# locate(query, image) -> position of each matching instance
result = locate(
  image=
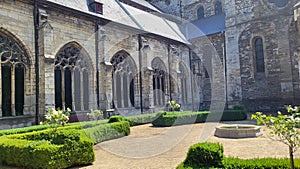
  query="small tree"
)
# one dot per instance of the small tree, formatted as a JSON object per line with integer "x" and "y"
{"x": 56, "y": 117}
{"x": 283, "y": 128}
{"x": 174, "y": 106}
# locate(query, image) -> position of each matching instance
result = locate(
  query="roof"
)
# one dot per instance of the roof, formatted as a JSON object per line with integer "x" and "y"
{"x": 205, "y": 26}
{"x": 124, "y": 14}
{"x": 145, "y": 4}
{"x": 297, "y": 5}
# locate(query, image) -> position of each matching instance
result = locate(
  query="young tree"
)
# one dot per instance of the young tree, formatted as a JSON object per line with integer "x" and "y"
{"x": 283, "y": 128}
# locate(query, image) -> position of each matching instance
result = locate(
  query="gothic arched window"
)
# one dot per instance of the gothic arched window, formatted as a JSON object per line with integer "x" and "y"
{"x": 71, "y": 79}
{"x": 159, "y": 81}
{"x": 14, "y": 63}
{"x": 200, "y": 12}
{"x": 124, "y": 71}
{"x": 183, "y": 80}
{"x": 259, "y": 54}
{"x": 218, "y": 8}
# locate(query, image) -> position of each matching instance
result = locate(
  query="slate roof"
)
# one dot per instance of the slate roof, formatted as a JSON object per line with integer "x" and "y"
{"x": 206, "y": 26}
{"x": 124, "y": 14}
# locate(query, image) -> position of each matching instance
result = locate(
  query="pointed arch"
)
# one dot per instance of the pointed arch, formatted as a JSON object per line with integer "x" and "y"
{"x": 159, "y": 81}
{"x": 14, "y": 61}
{"x": 72, "y": 72}
{"x": 124, "y": 76}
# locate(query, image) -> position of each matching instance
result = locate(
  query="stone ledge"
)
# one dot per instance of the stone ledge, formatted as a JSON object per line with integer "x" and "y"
{"x": 15, "y": 117}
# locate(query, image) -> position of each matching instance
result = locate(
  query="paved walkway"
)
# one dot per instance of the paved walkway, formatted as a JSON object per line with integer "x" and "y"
{"x": 149, "y": 147}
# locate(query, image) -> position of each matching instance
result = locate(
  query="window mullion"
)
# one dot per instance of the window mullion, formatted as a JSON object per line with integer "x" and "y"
{"x": 81, "y": 90}
{"x": 73, "y": 89}
{"x": 13, "y": 90}
{"x": 63, "y": 89}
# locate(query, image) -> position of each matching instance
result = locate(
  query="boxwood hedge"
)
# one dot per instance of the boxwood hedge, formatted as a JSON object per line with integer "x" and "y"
{"x": 45, "y": 149}
{"x": 210, "y": 155}
{"x": 166, "y": 119}
{"x": 141, "y": 119}
{"x": 108, "y": 131}
{"x": 67, "y": 146}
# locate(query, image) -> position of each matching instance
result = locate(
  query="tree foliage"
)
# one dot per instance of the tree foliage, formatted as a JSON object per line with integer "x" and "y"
{"x": 284, "y": 127}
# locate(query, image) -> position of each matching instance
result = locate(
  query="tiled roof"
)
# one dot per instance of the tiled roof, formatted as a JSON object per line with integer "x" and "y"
{"x": 127, "y": 15}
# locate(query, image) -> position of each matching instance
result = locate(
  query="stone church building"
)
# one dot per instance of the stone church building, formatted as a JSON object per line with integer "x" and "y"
{"x": 133, "y": 56}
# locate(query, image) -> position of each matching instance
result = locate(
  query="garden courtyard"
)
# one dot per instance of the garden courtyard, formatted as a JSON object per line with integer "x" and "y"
{"x": 169, "y": 157}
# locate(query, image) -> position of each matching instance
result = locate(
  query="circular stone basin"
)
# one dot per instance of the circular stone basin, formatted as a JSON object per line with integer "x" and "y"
{"x": 237, "y": 131}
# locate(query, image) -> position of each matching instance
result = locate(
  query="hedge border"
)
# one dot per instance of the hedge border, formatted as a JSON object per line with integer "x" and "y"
{"x": 167, "y": 119}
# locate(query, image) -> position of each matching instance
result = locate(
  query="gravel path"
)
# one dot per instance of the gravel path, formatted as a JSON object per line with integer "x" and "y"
{"x": 147, "y": 147}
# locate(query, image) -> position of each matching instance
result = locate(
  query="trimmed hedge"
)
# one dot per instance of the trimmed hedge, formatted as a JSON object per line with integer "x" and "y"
{"x": 77, "y": 125}
{"x": 45, "y": 149}
{"x": 263, "y": 163}
{"x": 41, "y": 147}
{"x": 167, "y": 119}
{"x": 204, "y": 155}
{"x": 210, "y": 155}
{"x": 113, "y": 119}
{"x": 108, "y": 131}
{"x": 141, "y": 119}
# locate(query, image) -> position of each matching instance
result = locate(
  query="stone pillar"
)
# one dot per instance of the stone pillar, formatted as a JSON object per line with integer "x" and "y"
{"x": 49, "y": 85}
{"x": 234, "y": 88}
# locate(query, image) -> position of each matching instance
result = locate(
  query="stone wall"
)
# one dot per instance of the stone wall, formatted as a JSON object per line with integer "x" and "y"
{"x": 245, "y": 20}
{"x": 61, "y": 28}
{"x": 17, "y": 22}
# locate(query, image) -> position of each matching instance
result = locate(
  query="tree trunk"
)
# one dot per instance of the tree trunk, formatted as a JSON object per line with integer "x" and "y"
{"x": 291, "y": 157}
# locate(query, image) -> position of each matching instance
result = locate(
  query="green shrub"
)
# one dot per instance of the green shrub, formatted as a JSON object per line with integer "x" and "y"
{"x": 23, "y": 130}
{"x": 166, "y": 119}
{"x": 108, "y": 131}
{"x": 78, "y": 125}
{"x": 142, "y": 119}
{"x": 114, "y": 119}
{"x": 264, "y": 163}
{"x": 204, "y": 155}
{"x": 62, "y": 149}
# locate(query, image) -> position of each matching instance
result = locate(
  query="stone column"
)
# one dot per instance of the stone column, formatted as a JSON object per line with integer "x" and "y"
{"x": 234, "y": 88}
